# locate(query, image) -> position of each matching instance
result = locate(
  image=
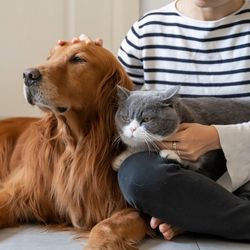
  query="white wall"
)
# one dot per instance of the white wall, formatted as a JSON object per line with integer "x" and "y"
{"x": 30, "y": 28}
{"x": 147, "y": 5}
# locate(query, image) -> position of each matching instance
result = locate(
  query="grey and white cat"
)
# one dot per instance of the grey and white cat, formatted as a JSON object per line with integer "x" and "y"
{"x": 144, "y": 117}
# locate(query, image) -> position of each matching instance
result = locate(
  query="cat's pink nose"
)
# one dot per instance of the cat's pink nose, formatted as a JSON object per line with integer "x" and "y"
{"x": 132, "y": 129}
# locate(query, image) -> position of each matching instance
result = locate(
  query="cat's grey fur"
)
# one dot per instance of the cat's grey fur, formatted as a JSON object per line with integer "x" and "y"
{"x": 166, "y": 111}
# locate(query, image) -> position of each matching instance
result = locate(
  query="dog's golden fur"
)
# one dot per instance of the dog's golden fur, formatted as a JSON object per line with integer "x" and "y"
{"x": 57, "y": 169}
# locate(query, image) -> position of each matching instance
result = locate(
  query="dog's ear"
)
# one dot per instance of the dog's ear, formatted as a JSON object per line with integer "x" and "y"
{"x": 122, "y": 93}
{"x": 122, "y": 78}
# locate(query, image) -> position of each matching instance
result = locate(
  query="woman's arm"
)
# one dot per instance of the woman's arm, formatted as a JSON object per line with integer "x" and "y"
{"x": 193, "y": 140}
{"x": 235, "y": 143}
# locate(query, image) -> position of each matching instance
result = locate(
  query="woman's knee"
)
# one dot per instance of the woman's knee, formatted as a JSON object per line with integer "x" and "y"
{"x": 143, "y": 175}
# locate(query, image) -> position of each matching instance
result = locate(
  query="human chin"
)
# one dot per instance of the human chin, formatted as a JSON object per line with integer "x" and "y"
{"x": 210, "y": 3}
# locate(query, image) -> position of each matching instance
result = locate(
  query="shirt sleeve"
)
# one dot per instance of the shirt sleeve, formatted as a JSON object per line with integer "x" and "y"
{"x": 235, "y": 143}
{"x": 129, "y": 56}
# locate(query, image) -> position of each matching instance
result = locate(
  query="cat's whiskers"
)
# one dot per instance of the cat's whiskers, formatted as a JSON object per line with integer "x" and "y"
{"x": 150, "y": 139}
{"x": 116, "y": 140}
{"x": 148, "y": 144}
{"x": 154, "y": 139}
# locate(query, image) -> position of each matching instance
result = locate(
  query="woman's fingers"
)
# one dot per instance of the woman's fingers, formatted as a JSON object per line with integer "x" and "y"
{"x": 184, "y": 126}
{"x": 174, "y": 146}
{"x": 81, "y": 38}
{"x": 75, "y": 40}
{"x": 99, "y": 41}
{"x": 61, "y": 42}
{"x": 84, "y": 38}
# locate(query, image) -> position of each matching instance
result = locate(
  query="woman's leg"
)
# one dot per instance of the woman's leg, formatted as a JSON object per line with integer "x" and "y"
{"x": 183, "y": 198}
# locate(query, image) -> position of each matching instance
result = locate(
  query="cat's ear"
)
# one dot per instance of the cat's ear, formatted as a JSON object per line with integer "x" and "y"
{"x": 170, "y": 96}
{"x": 173, "y": 92}
{"x": 122, "y": 93}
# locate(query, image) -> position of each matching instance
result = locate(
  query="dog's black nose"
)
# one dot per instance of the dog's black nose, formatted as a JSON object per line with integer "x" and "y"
{"x": 31, "y": 76}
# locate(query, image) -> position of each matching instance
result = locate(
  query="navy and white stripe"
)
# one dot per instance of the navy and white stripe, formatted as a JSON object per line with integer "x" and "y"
{"x": 165, "y": 48}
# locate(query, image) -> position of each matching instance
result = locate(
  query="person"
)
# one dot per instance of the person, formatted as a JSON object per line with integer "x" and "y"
{"x": 203, "y": 46}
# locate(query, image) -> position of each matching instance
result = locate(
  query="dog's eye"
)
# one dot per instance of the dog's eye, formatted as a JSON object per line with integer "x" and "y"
{"x": 77, "y": 59}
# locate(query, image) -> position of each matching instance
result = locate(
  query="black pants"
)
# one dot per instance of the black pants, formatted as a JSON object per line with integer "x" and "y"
{"x": 182, "y": 197}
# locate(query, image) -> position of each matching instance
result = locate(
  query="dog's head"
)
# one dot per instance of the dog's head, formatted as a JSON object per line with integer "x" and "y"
{"x": 74, "y": 77}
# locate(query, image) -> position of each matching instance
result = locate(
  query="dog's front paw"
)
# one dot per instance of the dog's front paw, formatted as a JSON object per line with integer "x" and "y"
{"x": 170, "y": 154}
{"x": 111, "y": 246}
{"x": 104, "y": 237}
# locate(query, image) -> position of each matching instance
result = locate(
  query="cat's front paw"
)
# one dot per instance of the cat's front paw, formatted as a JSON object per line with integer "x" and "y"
{"x": 120, "y": 159}
{"x": 117, "y": 163}
{"x": 170, "y": 154}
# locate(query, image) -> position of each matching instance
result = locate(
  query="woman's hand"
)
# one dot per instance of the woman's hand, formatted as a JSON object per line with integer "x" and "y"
{"x": 192, "y": 140}
{"x": 82, "y": 37}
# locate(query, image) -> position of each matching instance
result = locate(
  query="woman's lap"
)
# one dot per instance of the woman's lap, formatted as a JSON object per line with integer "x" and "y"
{"x": 183, "y": 198}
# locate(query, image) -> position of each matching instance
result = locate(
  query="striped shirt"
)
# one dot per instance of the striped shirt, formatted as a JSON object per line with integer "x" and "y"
{"x": 206, "y": 58}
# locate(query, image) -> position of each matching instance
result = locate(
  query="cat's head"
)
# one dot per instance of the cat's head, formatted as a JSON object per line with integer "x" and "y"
{"x": 146, "y": 116}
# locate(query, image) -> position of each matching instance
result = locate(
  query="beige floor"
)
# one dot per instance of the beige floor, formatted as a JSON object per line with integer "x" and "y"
{"x": 35, "y": 238}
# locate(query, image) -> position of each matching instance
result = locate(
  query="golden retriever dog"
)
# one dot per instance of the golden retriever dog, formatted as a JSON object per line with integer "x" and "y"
{"x": 57, "y": 169}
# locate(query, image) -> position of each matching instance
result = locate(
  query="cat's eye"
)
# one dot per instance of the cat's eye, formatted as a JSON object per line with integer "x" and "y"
{"x": 146, "y": 119}
{"x": 125, "y": 118}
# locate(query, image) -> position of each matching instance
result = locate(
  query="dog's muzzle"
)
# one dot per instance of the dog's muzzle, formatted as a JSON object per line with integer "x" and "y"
{"x": 31, "y": 76}
{"x": 34, "y": 93}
